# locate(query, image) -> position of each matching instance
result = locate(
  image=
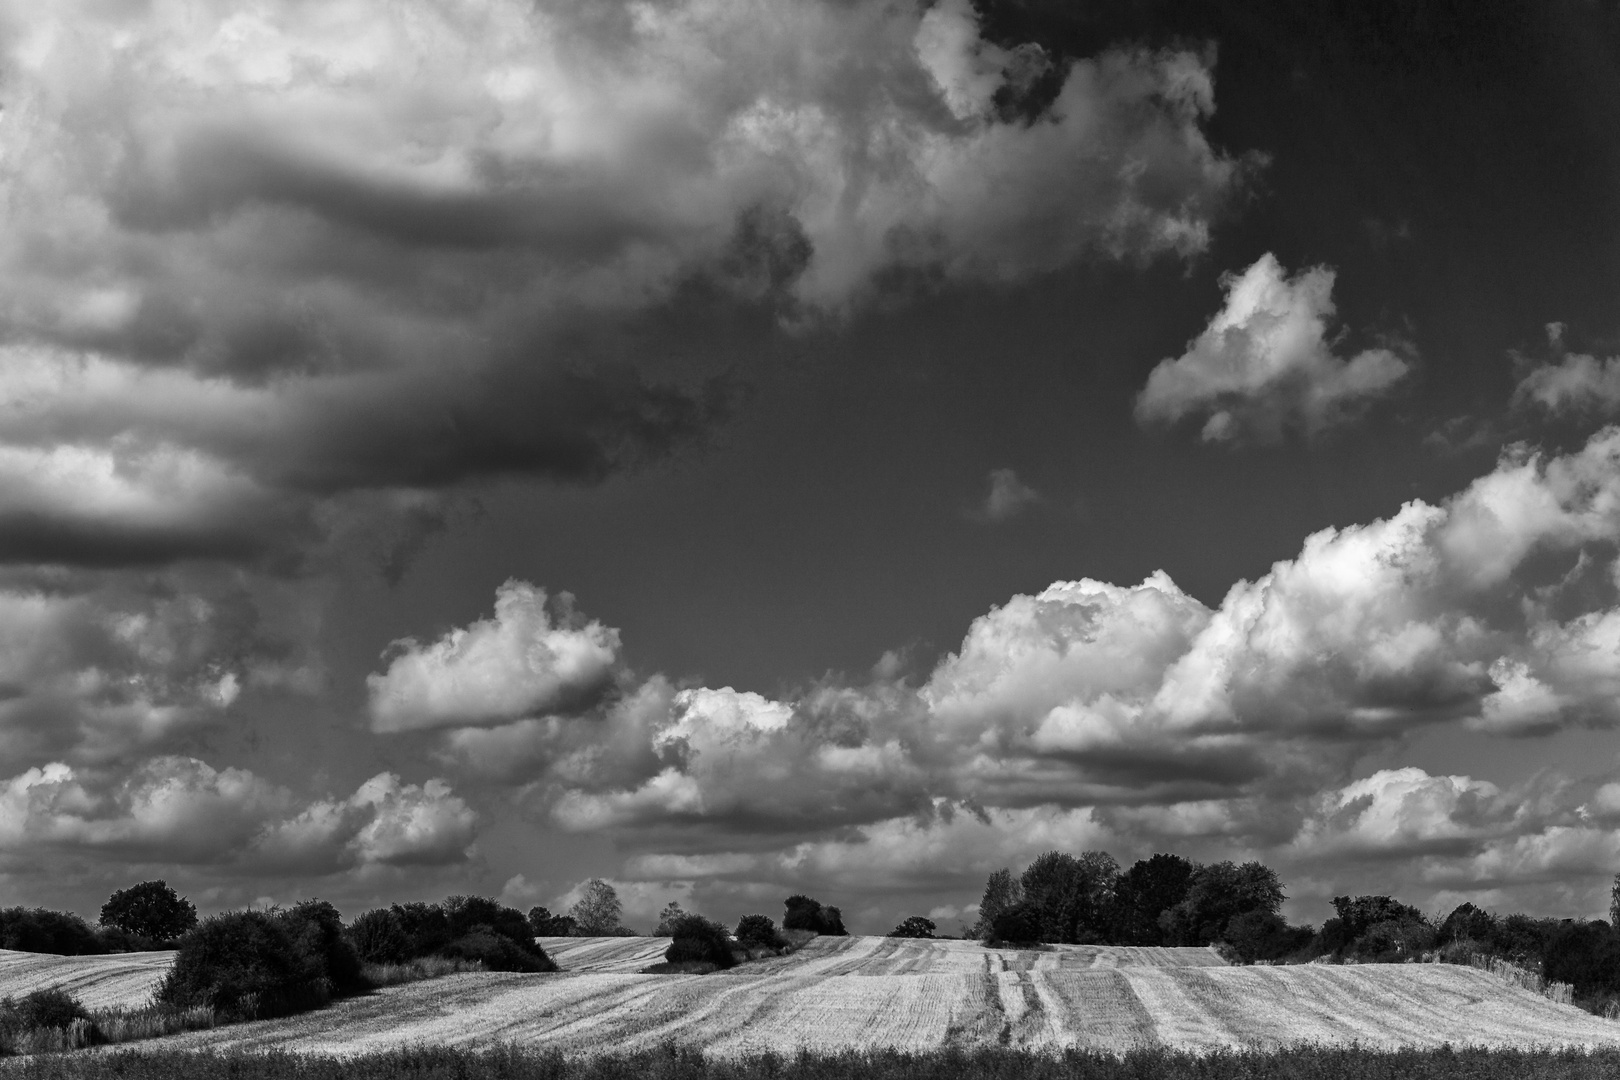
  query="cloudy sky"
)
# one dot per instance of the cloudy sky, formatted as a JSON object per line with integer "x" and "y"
{"x": 845, "y": 446}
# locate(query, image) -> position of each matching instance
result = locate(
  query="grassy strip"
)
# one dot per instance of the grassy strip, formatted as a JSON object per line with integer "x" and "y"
{"x": 440, "y": 1063}
{"x": 423, "y": 967}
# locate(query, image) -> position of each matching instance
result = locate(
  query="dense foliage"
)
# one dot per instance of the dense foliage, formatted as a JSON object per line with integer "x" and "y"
{"x": 150, "y": 910}
{"x": 41, "y": 930}
{"x": 511, "y": 1063}
{"x": 699, "y": 941}
{"x": 914, "y": 926}
{"x": 803, "y": 913}
{"x": 462, "y": 927}
{"x": 758, "y": 932}
{"x": 247, "y": 964}
{"x": 542, "y": 923}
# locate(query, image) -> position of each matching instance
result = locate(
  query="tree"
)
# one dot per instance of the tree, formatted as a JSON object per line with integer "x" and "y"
{"x": 150, "y": 910}
{"x": 1017, "y": 925}
{"x": 914, "y": 927}
{"x": 542, "y": 923}
{"x": 666, "y": 919}
{"x": 757, "y": 931}
{"x": 1001, "y": 892}
{"x": 598, "y": 909}
{"x": 803, "y": 913}
{"x": 1071, "y": 896}
{"x": 699, "y": 940}
{"x": 1144, "y": 893}
{"x": 1614, "y": 902}
{"x": 1218, "y": 893}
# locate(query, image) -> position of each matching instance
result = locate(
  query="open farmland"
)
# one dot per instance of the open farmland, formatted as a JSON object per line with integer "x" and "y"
{"x": 124, "y": 980}
{"x": 869, "y": 993}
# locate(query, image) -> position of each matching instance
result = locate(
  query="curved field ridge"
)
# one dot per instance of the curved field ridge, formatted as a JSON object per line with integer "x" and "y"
{"x": 624, "y": 954}
{"x": 123, "y": 980}
{"x": 867, "y": 993}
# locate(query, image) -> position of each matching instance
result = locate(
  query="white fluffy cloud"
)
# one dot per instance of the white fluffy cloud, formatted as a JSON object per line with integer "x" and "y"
{"x": 255, "y": 258}
{"x": 180, "y": 810}
{"x": 1265, "y": 363}
{"x": 1577, "y": 383}
{"x": 532, "y": 658}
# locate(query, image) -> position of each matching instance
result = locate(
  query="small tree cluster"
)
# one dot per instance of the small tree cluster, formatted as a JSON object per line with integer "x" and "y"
{"x": 151, "y": 911}
{"x": 803, "y": 913}
{"x": 758, "y": 932}
{"x": 915, "y": 926}
{"x": 542, "y": 923}
{"x": 699, "y": 941}
{"x": 462, "y": 927}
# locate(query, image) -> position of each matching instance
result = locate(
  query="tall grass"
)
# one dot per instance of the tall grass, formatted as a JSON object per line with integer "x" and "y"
{"x": 423, "y": 967}
{"x": 1561, "y": 992}
{"x": 442, "y": 1063}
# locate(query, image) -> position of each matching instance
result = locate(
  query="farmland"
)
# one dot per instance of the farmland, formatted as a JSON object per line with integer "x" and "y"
{"x": 869, "y": 993}
{"x": 123, "y": 980}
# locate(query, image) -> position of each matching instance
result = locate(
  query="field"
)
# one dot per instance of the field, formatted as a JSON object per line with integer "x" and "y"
{"x": 125, "y": 980}
{"x": 868, "y": 993}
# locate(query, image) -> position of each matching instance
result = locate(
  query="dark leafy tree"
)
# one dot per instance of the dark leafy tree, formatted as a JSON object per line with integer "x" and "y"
{"x": 1001, "y": 892}
{"x": 1072, "y": 895}
{"x": 1144, "y": 893}
{"x": 803, "y": 913}
{"x": 316, "y": 929}
{"x": 1017, "y": 925}
{"x": 699, "y": 940}
{"x": 758, "y": 932}
{"x": 150, "y": 910}
{"x": 1586, "y": 954}
{"x": 378, "y": 937}
{"x": 41, "y": 930}
{"x": 1467, "y": 923}
{"x": 51, "y": 1007}
{"x": 914, "y": 927}
{"x": 1218, "y": 893}
{"x": 1614, "y": 902}
{"x": 543, "y": 923}
{"x": 1359, "y": 914}
{"x": 667, "y": 918}
{"x": 425, "y": 926}
{"x": 243, "y": 964}
{"x": 1265, "y": 935}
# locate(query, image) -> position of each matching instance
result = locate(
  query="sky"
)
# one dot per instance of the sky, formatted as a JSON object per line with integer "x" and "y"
{"x": 830, "y": 446}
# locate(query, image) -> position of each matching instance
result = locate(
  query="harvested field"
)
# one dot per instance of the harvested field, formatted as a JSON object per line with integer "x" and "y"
{"x": 123, "y": 980}
{"x": 625, "y": 954}
{"x": 869, "y": 993}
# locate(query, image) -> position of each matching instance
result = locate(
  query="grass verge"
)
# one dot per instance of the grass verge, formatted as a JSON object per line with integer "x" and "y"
{"x": 439, "y": 1063}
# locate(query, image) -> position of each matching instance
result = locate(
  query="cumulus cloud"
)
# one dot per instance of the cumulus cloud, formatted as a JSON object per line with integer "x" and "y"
{"x": 1265, "y": 363}
{"x": 257, "y": 259}
{"x": 96, "y": 670}
{"x": 1148, "y": 713}
{"x": 535, "y": 656}
{"x": 173, "y": 809}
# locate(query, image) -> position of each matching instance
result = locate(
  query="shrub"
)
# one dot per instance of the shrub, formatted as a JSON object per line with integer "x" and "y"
{"x": 758, "y": 932}
{"x": 150, "y": 910}
{"x": 1586, "y": 954}
{"x": 914, "y": 927}
{"x": 425, "y": 926}
{"x": 497, "y": 952}
{"x": 41, "y": 930}
{"x": 699, "y": 940}
{"x": 52, "y": 1007}
{"x": 243, "y": 964}
{"x": 1264, "y": 935}
{"x": 316, "y": 929}
{"x": 803, "y": 913}
{"x": 1393, "y": 941}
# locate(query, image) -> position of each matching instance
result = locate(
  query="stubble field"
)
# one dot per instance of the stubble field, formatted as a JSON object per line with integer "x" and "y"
{"x": 868, "y": 993}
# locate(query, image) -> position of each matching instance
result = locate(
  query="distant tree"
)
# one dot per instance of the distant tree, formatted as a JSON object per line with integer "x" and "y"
{"x": 1614, "y": 902}
{"x": 542, "y": 923}
{"x": 1072, "y": 896}
{"x": 1468, "y": 923}
{"x": 1265, "y": 935}
{"x": 41, "y": 930}
{"x": 1359, "y": 914}
{"x": 150, "y": 910}
{"x": 378, "y": 938}
{"x": 1017, "y": 925}
{"x": 803, "y": 913}
{"x": 757, "y": 931}
{"x": 1218, "y": 893}
{"x": 598, "y": 909}
{"x": 699, "y": 940}
{"x": 1586, "y": 954}
{"x": 1001, "y": 892}
{"x": 666, "y": 919}
{"x": 1144, "y": 893}
{"x": 914, "y": 927}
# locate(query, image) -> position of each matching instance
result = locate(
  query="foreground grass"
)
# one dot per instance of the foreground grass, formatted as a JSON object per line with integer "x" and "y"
{"x": 439, "y": 1063}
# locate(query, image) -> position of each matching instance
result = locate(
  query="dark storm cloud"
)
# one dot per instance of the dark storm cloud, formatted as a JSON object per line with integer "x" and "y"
{"x": 296, "y": 253}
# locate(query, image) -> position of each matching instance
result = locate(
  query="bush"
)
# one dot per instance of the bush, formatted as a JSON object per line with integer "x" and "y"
{"x": 699, "y": 940}
{"x": 914, "y": 927}
{"x": 1393, "y": 941}
{"x": 803, "y": 913}
{"x": 497, "y": 952}
{"x": 1586, "y": 954}
{"x": 52, "y": 1007}
{"x": 316, "y": 929}
{"x": 243, "y": 964}
{"x": 40, "y": 930}
{"x": 543, "y": 923}
{"x": 1264, "y": 935}
{"x": 149, "y": 910}
{"x": 757, "y": 932}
